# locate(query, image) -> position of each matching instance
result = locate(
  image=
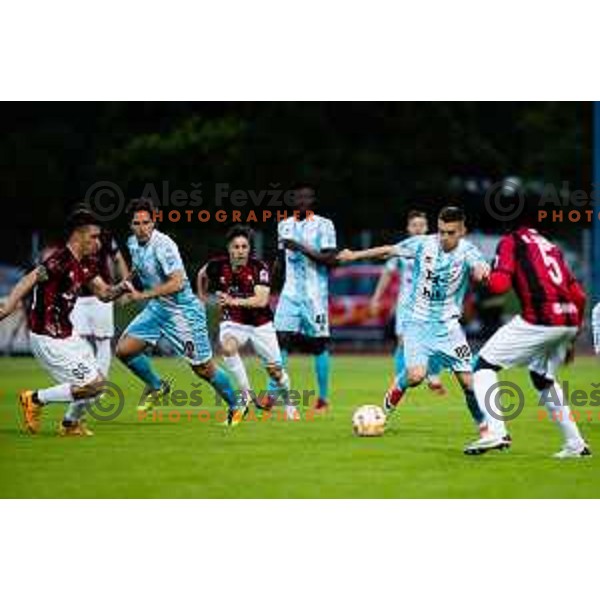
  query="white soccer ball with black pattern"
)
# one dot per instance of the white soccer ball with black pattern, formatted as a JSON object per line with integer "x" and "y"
{"x": 368, "y": 421}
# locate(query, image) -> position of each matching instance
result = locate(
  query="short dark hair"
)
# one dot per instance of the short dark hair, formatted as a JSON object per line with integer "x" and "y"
{"x": 416, "y": 214}
{"x": 240, "y": 230}
{"x": 81, "y": 216}
{"x": 451, "y": 214}
{"x": 141, "y": 204}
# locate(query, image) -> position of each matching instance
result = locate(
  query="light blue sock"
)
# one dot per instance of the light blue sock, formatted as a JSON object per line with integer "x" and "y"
{"x": 284, "y": 358}
{"x": 222, "y": 385}
{"x": 402, "y": 380}
{"x": 322, "y": 369}
{"x": 142, "y": 367}
{"x": 434, "y": 367}
{"x": 399, "y": 359}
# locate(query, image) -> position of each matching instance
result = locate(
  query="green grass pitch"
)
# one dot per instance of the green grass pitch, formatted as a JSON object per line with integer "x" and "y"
{"x": 419, "y": 457}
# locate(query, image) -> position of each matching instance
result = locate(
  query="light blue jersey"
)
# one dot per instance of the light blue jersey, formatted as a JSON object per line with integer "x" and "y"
{"x": 154, "y": 262}
{"x": 435, "y": 302}
{"x": 440, "y": 279}
{"x": 304, "y": 302}
{"x": 180, "y": 317}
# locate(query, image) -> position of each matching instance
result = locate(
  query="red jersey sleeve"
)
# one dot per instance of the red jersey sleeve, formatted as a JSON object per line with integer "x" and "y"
{"x": 54, "y": 265}
{"x": 504, "y": 266}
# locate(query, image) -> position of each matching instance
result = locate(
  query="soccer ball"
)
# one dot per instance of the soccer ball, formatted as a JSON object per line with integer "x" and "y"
{"x": 368, "y": 421}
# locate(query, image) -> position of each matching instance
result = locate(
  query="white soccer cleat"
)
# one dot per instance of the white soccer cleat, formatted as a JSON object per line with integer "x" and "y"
{"x": 487, "y": 443}
{"x": 292, "y": 413}
{"x": 574, "y": 452}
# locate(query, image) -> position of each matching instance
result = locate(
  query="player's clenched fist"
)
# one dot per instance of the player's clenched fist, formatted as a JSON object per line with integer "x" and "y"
{"x": 481, "y": 271}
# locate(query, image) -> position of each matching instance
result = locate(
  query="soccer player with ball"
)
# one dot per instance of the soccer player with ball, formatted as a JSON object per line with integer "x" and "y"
{"x": 444, "y": 265}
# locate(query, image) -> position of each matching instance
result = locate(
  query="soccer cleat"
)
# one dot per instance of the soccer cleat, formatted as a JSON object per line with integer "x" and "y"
{"x": 292, "y": 413}
{"x": 321, "y": 405}
{"x": 266, "y": 402}
{"x": 30, "y": 410}
{"x": 570, "y": 452}
{"x": 152, "y": 399}
{"x": 235, "y": 416}
{"x": 486, "y": 443}
{"x": 75, "y": 429}
{"x": 392, "y": 399}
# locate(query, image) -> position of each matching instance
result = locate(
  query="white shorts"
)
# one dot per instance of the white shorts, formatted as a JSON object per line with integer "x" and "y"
{"x": 67, "y": 360}
{"x": 263, "y": 339}
{"x": 93, "y": 318}
{"x": 541, "y": 348}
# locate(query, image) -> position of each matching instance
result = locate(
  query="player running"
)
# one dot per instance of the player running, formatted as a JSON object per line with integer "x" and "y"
{"x": 172, "y": 311}
{"x": 69, "y": 360}
{"x": 444, "y": 263}
{"x": 416, "y": 224}
{"x": 242, "y": 284}
{"x": 552, "y": 307}
{"x": 302, "y": 314}
{"x": 93, "y": 319}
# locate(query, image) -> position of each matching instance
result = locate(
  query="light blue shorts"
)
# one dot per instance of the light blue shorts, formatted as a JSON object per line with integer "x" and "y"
{"x": 301, "y": 316}
{"x": 183, "y": 326}
{"x": 447, "y": 347}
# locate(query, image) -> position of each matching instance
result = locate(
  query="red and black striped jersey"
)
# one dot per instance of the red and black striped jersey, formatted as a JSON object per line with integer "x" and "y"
{"x": 62, "y": 280}
{"x": 240, "y": 283}
{"x": 546, "y": 287}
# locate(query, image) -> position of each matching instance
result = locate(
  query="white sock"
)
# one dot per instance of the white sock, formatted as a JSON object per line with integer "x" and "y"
{"x": 103, "y": 354}
{"x": 483, "y": 380}
{"x": 236, "y": 366}
{"x": 560, "y": 413}
{"x": 75, "y": 410}
{"x": 57, "y": 393}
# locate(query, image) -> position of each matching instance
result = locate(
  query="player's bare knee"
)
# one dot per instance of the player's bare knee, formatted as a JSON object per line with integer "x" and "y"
{"x": 275, "y": 371}
{"x": 205, "y": 370}
{"x": 229, "y": 346}
{"x": 416, "y": 375}
{"x": 89, "y": 390}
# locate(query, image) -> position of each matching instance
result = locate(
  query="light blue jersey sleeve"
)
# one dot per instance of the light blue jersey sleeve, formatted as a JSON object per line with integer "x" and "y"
{"x": 168, "y": 257}
{"x": 327, "y": 237}
{"x": 408, "y": 248}
{"x": 473, "y": 255}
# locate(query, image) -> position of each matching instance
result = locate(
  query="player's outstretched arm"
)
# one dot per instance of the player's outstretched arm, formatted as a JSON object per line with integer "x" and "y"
{"x": 260, "y": 299}
{"x": 108, "y": 293}
{"x": 379, "y": 252}
{"x": 22, "y": 289}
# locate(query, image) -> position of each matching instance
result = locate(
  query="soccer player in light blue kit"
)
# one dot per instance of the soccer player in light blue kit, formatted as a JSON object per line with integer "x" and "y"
{"x": 444, "y": 265}
{"x": 302, "y": 315}
{"x": 173, "y": 311}
{"x": 416, "y": 224}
